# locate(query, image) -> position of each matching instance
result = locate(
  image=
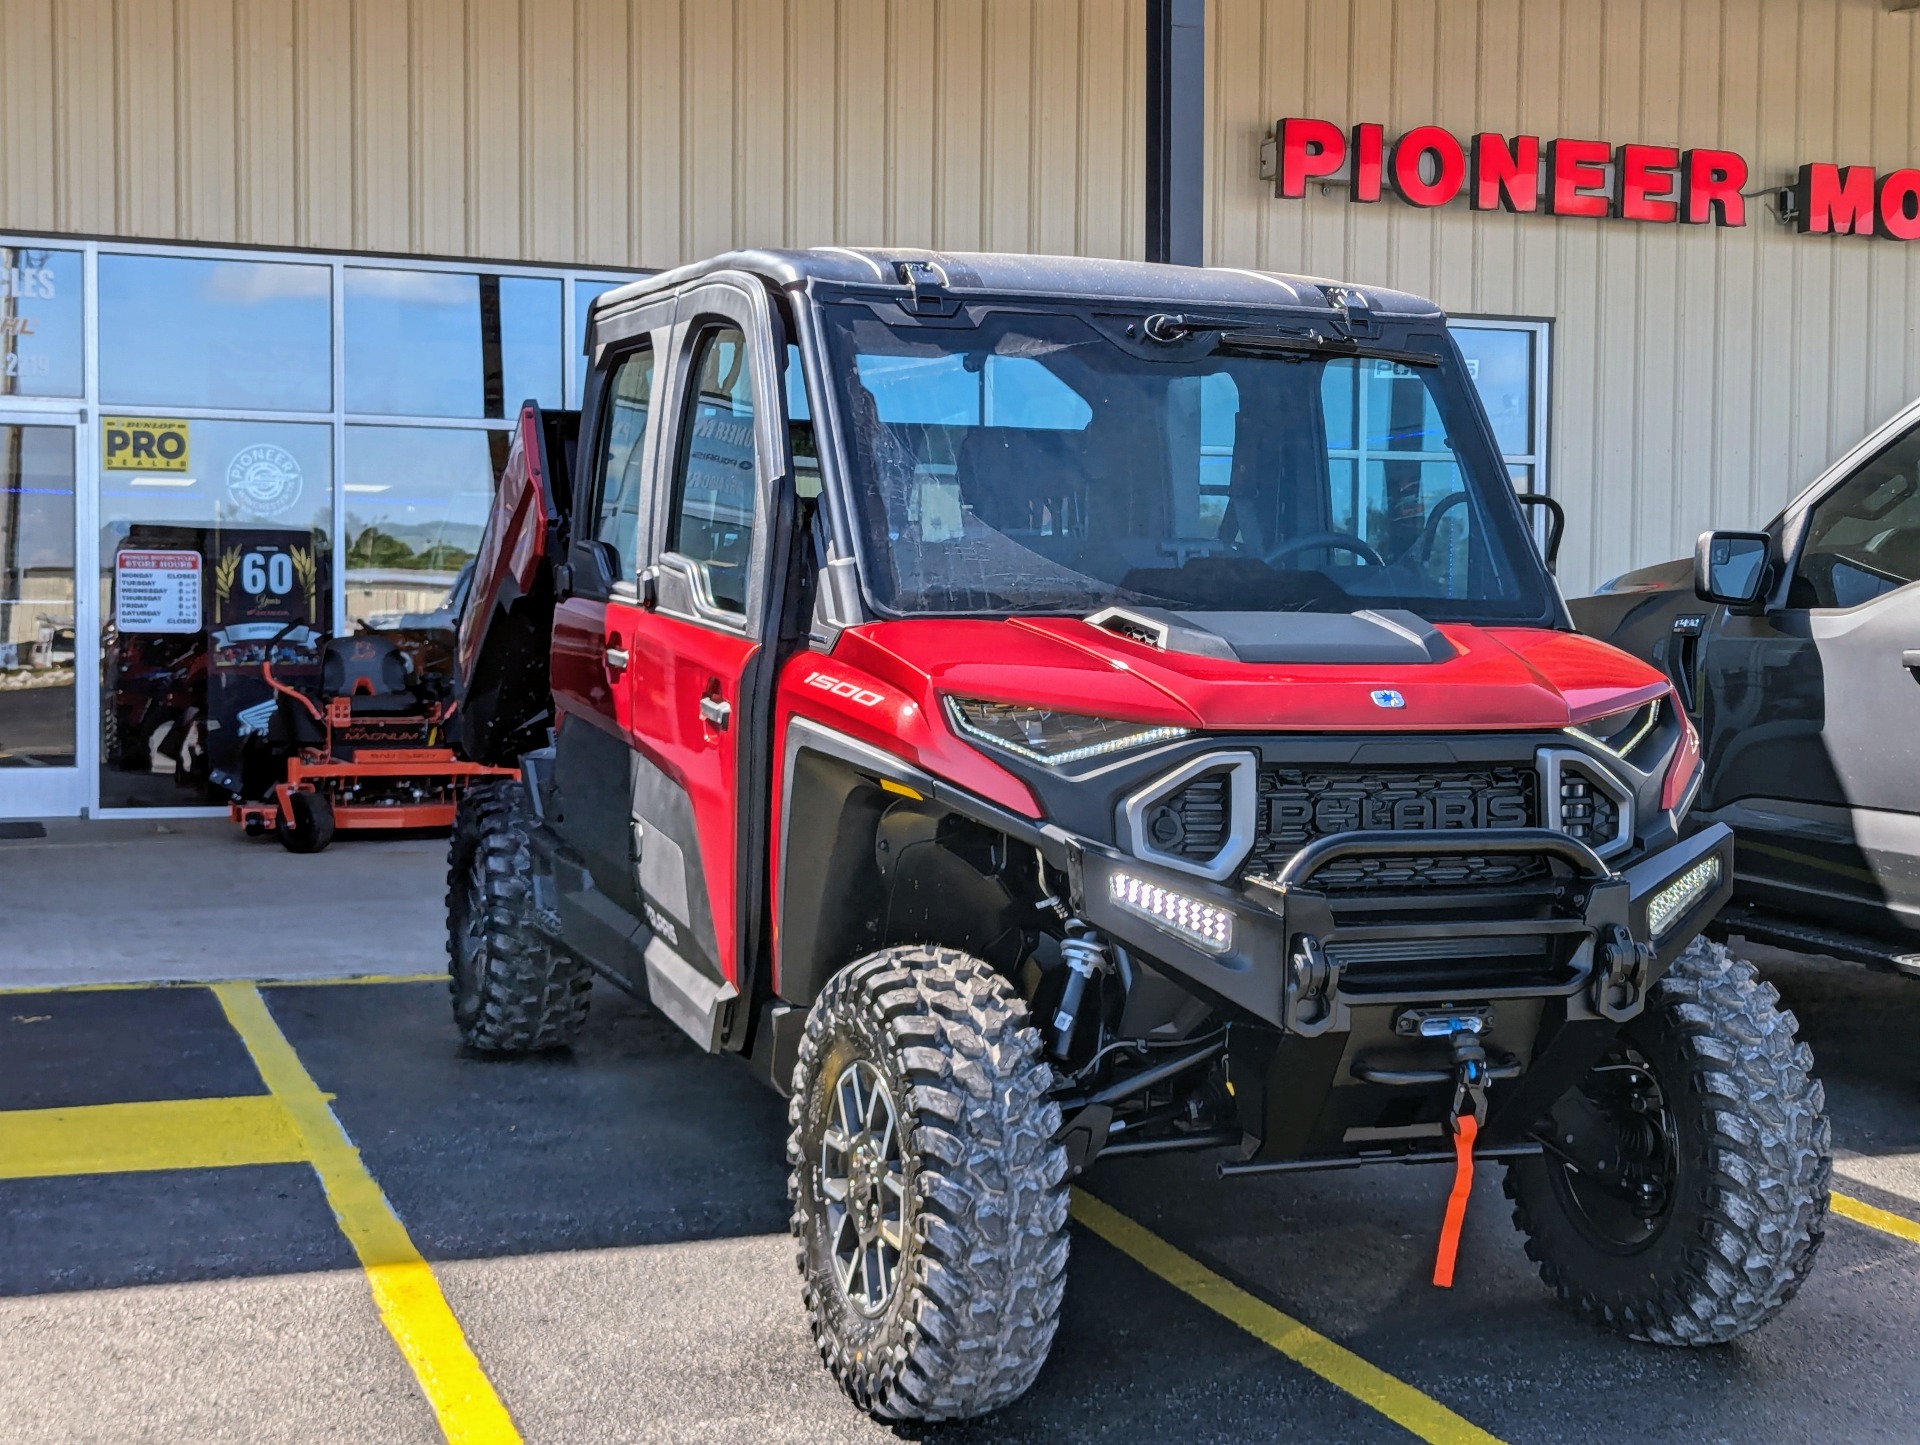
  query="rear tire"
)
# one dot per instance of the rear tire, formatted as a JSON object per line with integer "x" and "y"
{"x": 310, "y": 828}
{"x": 933, "y": 1234}
{"x": 1728, "y": 1130}
{"x": 514, "y": 992}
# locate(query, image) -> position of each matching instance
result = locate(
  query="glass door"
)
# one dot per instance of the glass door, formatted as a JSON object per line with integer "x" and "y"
{"x": 40, "y": 764}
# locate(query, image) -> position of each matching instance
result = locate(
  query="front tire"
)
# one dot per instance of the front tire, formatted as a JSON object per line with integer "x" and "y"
{"x": 1715, "y": 1208}
{"x": 310, "y": 828}
{"x": 514, "y": 992}
{"x": 928, "y": 1193}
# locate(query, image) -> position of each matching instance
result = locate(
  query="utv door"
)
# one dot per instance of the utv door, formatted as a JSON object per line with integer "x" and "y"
{"x": 1816, "y": 758}
{"x": 696, "y": 679}
{"x": 594, "y": 764}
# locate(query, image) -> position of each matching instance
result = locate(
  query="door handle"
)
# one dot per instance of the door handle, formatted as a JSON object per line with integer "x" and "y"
{"x": 616, "y": 659}
{"x": 717, "y": 711}
{"x": 1910, "y": 660}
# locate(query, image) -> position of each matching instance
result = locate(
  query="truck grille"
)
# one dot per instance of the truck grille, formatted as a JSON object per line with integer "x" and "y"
{"x": 1299, "y": 805}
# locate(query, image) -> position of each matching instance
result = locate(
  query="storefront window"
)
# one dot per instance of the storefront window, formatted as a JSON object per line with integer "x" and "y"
{"x": 215, "y": 551}
{"x": 40, "y": 322}
{"x": 1508, "y": 363}
{"x": 441, "y": 343}
{"x": 36, "y": 597}
{"x": 239, "y": 335}
{"x": 416, "y": 500}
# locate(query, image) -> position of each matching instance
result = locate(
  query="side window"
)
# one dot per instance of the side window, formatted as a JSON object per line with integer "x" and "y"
{"x": 711, "y": 524}
{"x": 1863, "y": 539}
{"x": 800, "y": 437}
{"x": 629, "y": 398}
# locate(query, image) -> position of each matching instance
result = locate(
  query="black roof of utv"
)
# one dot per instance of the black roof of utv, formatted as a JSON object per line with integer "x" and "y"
{"x": 1003, "y": 273}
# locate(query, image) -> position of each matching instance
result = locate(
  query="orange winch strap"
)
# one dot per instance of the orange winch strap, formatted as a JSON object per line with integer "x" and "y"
{"x": 1467, "y": 1126}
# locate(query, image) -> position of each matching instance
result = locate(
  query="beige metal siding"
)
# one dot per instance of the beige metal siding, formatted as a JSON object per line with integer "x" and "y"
{"x": 1701, "y": 376}
{"x": 593, "y": 131}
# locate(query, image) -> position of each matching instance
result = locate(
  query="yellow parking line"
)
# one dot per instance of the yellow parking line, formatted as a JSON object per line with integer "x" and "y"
{"x": 1369, "y": 1384}
{"x": 329, "y": 981}
{"x": 408, "y": 1296}
{"x": 1861, "y": 1212}
{"x": 127, "y": 1138}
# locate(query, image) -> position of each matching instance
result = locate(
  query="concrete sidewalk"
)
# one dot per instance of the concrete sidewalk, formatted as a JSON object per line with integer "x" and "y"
{"x": 137, "y": 902}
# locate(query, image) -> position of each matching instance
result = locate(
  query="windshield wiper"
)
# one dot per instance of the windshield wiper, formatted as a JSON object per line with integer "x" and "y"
{"x": 1250, "y": 336}
{"x": 1313, "y": 343}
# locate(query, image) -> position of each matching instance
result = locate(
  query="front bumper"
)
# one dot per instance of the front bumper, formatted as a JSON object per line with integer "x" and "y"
{"x": 1334, "y": 986}
{"x": 1300, "y": 959}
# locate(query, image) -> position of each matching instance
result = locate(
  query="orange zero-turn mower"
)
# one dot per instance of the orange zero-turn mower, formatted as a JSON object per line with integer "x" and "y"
{"x": 370, "y": 753}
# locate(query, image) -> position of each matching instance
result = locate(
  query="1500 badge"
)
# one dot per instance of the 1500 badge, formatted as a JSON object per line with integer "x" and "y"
{"x": 852, "y": 691}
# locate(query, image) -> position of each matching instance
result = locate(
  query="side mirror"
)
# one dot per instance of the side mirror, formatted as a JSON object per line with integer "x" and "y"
{"x": 1556, "y": 524}
{"x": 1731, "y": 567}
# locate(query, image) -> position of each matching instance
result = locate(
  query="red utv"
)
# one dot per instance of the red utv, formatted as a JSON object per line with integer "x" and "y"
{"x": 1042, "y": 710}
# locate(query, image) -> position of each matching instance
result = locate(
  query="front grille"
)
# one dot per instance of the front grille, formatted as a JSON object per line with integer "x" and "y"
{"x": 1299, "y": 805}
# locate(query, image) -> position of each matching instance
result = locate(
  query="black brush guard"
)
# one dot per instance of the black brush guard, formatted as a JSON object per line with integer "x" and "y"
{"x": 1576, "y": 946}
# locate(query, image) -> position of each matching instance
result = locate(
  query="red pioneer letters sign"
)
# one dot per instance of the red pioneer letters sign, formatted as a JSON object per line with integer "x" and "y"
{"x": 1430, "y": 166}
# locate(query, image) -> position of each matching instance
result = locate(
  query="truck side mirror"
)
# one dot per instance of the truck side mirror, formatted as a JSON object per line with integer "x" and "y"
{"x": 1731, "y": 567}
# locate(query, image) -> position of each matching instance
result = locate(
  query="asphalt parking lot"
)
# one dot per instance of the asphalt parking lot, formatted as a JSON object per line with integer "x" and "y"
{"x": 297, "y": 1211}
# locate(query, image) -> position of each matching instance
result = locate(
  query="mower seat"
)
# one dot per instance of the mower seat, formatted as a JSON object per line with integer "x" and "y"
{"x": 373, "y": 673}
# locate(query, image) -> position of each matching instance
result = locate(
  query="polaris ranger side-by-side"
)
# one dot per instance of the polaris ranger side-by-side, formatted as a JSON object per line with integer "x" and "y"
{"x": 1040, "y": 710}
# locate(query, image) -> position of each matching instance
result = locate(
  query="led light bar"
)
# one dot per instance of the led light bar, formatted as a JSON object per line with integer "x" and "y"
{"x": 1201, "y": 924}
{"x": 1671, "y": 903}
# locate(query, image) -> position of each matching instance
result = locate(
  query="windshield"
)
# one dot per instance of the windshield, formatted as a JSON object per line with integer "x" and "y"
{"x": 1043, "y": 462}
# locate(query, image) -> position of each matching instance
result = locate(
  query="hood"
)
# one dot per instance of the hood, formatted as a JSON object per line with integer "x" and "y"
{"x": 1453, "y": 677}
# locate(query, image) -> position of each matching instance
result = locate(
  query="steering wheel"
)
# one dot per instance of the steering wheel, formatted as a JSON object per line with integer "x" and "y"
{"x": 1339, "y": 541}
{"x": 1423, "y": 544}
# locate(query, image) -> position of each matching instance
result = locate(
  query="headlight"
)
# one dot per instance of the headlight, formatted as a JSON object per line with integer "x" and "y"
{"x": 1621, "y": 732}
{"x": 1052, "y": 738}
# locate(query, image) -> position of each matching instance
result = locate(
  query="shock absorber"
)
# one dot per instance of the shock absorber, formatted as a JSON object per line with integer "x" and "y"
{"x": 1085, "y": 952}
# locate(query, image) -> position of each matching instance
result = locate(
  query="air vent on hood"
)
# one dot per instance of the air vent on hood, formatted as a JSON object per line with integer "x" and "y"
{"x": 1371, "y": 638}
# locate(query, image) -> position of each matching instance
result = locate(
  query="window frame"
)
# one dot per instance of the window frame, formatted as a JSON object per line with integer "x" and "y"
{"x": 696, "y": 334}
{"x": 1880, "y": 445}
{"x": 1541, "y": 329}
{"x": 595, "y": 491}
{"x": 706, "y": 306}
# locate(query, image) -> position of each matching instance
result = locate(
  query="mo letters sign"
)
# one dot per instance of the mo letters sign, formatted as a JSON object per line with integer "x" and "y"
{"x": 1429, "y": 166}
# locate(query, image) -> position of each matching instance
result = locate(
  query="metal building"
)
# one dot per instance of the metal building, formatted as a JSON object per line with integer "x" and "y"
{"x": 221, "y": 221}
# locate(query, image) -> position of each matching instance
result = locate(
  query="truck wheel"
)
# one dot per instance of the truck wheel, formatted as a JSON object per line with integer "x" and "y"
{"x": 513, "y": 991}
{"x": 310, "y": 828}
{"x": 927, "y": 1189}
{"x": 1715, "y": 1203}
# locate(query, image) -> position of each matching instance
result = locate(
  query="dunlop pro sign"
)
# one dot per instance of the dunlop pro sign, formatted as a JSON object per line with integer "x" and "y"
{"x": 142, "y": 444}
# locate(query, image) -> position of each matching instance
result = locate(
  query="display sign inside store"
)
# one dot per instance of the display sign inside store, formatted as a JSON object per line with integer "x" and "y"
{"x": 142, "y": 444}
{"x": 1430, "y": 166}
{"x": 156, "y": 591}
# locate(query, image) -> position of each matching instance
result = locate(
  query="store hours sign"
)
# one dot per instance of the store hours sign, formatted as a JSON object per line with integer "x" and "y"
{"x": 1429, "y": 166}
{"x": 156, "y": 591}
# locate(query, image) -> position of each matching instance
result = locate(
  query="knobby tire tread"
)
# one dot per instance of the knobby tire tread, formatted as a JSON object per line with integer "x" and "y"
{"x": 985, "y": 1266}
{"x": 1764, "y": 1167}
{"x": 532, "y": 995}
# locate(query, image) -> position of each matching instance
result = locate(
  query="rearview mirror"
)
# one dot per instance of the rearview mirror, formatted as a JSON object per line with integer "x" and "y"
{"x": 1731, "y": 567}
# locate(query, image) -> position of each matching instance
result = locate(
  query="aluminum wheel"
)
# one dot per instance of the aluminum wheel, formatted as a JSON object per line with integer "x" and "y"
{"x": 863, "y": 1180}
